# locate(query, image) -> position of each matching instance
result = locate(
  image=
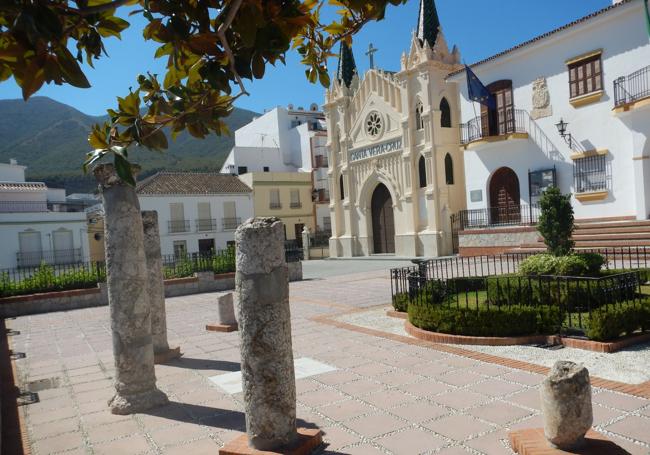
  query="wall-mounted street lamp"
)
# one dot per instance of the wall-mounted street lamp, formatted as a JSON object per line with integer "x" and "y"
{"x": 561, "y": 128}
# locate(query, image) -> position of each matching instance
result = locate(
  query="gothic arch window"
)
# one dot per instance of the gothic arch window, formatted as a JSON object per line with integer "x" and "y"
{"x": 449, "y": 170}
{"x": 445, "y": 113}
{"x": 419, "y": 110}
{"x": 422, "y": 171}
{"x": 341, "y": 189}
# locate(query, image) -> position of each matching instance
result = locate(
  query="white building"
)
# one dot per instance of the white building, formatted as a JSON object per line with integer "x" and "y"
{"x": 286, "y": 140}
{"x": 36, "y": 223}
{"x": 395, "y": 165}
{"x": 198, "y": 212}
{"x": 592, "y": 74}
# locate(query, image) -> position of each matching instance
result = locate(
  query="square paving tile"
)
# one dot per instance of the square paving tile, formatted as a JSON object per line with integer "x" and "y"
{"x": 529, "y": 398}
{"x": 320, "y": 397}
{"x": 458, "y": 427}
{"x": 361, "y": 387}
{"x": 634, "y": 427}
{"x": 499, "y": 412}
{"x": 58, "y": 443}
{"x": 411, "y": 442}
{"x": 618, "y": 400}
{"x": 398, "y": 377}
{"x": 459, "y": 399}
{"x": 425, "y": 388}
{"x": 345, "y": 410}
{"x": 460, "y": 378}
{"x": 134, "y": 444}
{"x": 364, "y": 449}
{"x": 496, "y": 387}
{"x": 178, "y": 434}
{"x": 419, "y": 411}
{"x": 113, "y": 431}
{"x": 335, "y": 438}
{"x": 375, "y": 425}
{"x": 388, "y": 398}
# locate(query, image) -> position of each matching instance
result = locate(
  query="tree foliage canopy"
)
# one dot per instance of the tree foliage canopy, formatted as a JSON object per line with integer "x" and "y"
{"x": 210, "y": 47}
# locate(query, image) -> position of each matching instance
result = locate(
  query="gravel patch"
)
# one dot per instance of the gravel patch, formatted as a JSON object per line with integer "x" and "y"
{"x": 631, "y": 365}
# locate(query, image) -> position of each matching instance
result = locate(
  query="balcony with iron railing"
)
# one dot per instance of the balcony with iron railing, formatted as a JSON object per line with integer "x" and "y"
{"x": 508, "y": 124}
{"x": 178, "y": 226}
{"x": 295, "y": 205}
{"x": 508, "y": 215}
{"x": 230, "y": 224}
{"x": 51, "y": 257}
{"x": 275, "y": 205}
{"x": 630, "y": 89}
{"x": 43, "y": 206}
{"x": 206, "y": 225}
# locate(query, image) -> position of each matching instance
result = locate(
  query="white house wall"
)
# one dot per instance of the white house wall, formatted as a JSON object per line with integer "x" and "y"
{"x": 244, "y": 210}
{"x": 622, "y": 36}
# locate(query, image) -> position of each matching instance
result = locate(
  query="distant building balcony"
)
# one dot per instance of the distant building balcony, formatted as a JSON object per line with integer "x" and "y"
{"x": 506, "y": 124}
{"x": 230, "y": 224}
{"x": 320, "y": 161}
{"x": 295, "y": 205}
{"x": 178, "y": 226}
{"x": 51, "y": 257}
{"x": 631, "y": 89}
{"x": 206, "y": 225}
{"x": 275, "y": 205}
{"x": 43, "y": 206}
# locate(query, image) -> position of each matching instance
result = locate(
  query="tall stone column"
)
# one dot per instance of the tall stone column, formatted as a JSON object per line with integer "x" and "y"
{"x": 130, "y": 312}
{"x": 156, "y": 288}
{"x": 268, "y": 378}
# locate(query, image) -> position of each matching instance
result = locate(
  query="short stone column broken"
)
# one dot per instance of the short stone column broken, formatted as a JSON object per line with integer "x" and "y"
{"x": 130, "y": 311}
{"x": 227, "y": 321}
{"x": 156, "y": 289}
{"x": 566, "y": 405}
{"x": 268, "y": 378}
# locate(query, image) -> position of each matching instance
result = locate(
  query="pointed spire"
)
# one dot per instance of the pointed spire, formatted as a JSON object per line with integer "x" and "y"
{"x": 347, "y": 68}
{"x": 428, "y": 23}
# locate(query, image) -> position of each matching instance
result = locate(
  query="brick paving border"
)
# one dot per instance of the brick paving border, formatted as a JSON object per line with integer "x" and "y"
{"x": 532, "y": 441}
{"x": 15, "y": 440}
{"x": 640, "y": 390}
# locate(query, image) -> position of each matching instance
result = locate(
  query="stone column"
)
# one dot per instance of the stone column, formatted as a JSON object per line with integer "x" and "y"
{"x": 265, "y": 329}
{"x": 156, "y": 288}
{"x": 130, "y": 313}
{"x": 305, "y": 242}
{"x": 566, "y": 405}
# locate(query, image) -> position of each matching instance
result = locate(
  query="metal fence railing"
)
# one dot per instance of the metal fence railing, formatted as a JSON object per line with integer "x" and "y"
{"x": 514, "y": 215}
{"x": 633, "y": 87}
{"x": 178, "y": 226}
{"x": 514, "y": 121}
{"x": 54, "y": 257}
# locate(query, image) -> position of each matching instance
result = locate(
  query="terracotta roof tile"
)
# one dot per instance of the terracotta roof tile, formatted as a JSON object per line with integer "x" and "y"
{"x": 545, "y": 35}
{"x": 191, "y": 183}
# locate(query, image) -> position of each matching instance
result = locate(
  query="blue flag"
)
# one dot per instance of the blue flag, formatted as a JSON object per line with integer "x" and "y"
{"x": 477, "y": 91}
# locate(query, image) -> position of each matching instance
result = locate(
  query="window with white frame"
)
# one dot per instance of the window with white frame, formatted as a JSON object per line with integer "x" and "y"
{"x": 274, "y": 195}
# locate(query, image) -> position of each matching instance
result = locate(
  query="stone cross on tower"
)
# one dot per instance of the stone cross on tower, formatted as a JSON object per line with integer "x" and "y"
{"x": 371, "y": 54}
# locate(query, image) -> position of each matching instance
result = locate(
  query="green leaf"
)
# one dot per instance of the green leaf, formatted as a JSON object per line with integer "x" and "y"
{"x": 258, "y": 66}
{"x": 70, "y": 68}
{"x": 123, "y": 169}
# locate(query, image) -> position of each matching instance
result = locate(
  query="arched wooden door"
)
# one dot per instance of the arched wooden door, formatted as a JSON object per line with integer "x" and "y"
{"x": 383, "y": 223}
{"x": 504, "y": 197}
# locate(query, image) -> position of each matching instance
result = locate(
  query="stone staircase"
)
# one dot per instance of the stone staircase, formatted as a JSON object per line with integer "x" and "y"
{"x": 602, "y": 233}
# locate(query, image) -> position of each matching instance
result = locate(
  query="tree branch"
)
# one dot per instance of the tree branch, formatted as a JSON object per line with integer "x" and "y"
{"x": 221, "y": 33}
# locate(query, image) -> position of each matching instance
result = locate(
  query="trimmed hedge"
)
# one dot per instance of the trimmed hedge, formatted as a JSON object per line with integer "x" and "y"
{"x": 611, "y": 323}
{"x": 577, "y": 264}
{"x": 46, "y": 279}
{"x": 401, "y": 301}
{"x": 494, "y": 322}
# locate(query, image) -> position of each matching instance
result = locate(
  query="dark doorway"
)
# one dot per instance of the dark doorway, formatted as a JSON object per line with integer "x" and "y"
{"x": 206, "y": 247}
{"x": 383, "y": 223}
{"x": 297, "y": 229}
{"x": 504, "y": 197}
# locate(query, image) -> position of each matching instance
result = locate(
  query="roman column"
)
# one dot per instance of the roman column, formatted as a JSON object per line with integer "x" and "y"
{"x": 156, "y": 288}
{"x": 130, "y": 312}
{"x": 268, "y": 379}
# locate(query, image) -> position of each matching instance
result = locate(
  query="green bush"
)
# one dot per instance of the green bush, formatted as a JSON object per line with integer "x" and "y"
{"x": 401, "y": 301}
{"x": 555, "y": 222}
{"x": 45, "y": 279}
{"x": 609, "y": 323}
{"x": 577, "y": 264}
{"x": 493, "y": 322}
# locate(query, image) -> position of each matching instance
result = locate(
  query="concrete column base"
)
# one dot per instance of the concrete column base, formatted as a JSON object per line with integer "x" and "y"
{"x": 122, "y": 404}
{"x": 166, "y": 356}
{"x": 347, "y": 246}
{"x": 532, "y": 441}
{"x": 222, "y": 327}
{"x": 307, "y": 441}
{"x": 432, "y": 244}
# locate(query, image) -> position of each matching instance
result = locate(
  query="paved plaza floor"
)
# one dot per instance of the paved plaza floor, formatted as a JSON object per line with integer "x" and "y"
{"x": 378, "y": 396}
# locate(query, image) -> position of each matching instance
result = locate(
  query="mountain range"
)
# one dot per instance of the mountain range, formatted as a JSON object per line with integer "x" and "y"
{"x": 50, "y": 138}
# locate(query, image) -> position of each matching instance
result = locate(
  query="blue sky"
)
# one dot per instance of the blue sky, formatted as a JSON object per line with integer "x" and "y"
{"x": 480, "y": 28}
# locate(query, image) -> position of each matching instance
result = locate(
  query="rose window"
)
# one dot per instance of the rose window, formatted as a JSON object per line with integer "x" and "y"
{"x": 373, "y": 124}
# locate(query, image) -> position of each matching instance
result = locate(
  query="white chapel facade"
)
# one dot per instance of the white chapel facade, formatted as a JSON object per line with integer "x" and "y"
{"x": 396, "y": 169}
